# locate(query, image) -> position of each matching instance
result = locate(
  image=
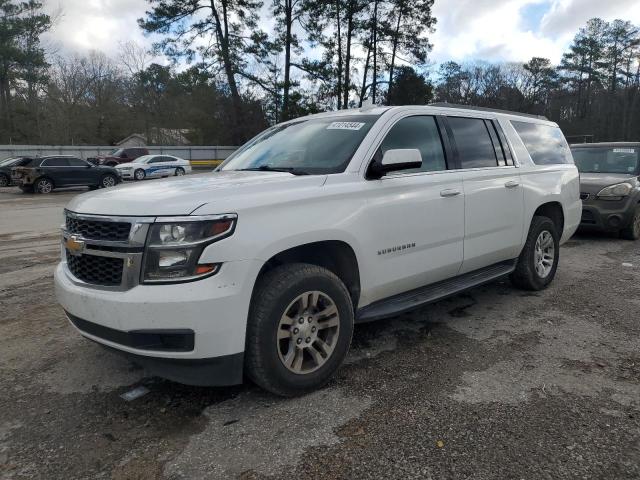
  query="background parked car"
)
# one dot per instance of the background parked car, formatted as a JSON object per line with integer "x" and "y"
{"x": 5, "y": 169}
{"x": 118, "y": 156}
{"x": 42, "y": 175}
{"x": 154, "y": 166}
{"x": 609, "y": 187}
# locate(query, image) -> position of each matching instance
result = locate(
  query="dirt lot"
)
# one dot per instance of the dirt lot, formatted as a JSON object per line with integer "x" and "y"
{"x": 496, "y": 383}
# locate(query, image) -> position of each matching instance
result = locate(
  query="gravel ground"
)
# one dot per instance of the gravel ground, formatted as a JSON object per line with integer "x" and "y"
{"x": 495, "y": 383}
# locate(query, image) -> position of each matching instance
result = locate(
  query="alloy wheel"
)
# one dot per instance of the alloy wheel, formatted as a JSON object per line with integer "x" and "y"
{"x": 108, "y": 181}
{"x": 308, "y": 332}
{"x": 544, "y": 254}
{"x": 45, "y": 186}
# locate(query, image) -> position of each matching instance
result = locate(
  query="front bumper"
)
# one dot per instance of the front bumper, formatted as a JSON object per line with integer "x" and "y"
{"x": 213, "y": 309}
{"x": 607, "y": 215}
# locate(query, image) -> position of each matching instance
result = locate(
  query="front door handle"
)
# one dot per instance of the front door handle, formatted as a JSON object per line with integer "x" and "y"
{"x": 512, "y": 184}
{"x": 450, "y": 192}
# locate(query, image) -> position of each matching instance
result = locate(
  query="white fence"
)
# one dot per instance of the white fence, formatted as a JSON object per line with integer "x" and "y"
{"x": 200, "y": 155}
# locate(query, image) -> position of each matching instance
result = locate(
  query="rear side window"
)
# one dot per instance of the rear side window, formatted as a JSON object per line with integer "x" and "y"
{"x": 55, "y": 162}
{"x": 473, "y": 142}
{"x": 545, "y": 144}
{"x": 76, "y": 162}
{"x": 421, "y": 133}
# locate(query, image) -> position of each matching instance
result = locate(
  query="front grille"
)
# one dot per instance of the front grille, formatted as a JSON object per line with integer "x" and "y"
{"x": 584, "y": 196}
{"x": 96, "y": 270}
{"x": 98, "y": 230}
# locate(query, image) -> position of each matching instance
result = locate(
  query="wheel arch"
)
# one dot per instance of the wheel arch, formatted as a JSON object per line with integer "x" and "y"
{"x": 554, "y": 211}
{"x": 336, "y": 256}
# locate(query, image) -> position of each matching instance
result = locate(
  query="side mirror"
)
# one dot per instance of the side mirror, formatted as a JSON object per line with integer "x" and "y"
{"x": 396, "y": 160}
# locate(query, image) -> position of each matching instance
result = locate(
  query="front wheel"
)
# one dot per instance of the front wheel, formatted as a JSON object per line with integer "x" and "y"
{"x": 632, "y": 232}
{"x": 538, "y": 260}
{"x": 108, "y": 181}
{"x": 4, "y": 181}
{"x": 139, "y": 174}
{"x": 299, "y": 330}
{"x": 179, "y": 171}
{"x": 44, "y": 185}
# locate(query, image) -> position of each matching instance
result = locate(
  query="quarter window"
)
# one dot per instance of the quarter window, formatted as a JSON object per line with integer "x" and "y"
{"x": 421, "y": 133}
{"x": 546, "y": 144}
{"x": 473, "y": 142}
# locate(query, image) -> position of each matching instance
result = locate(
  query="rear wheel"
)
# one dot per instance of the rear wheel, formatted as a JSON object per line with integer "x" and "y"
{"x": 299, "y": 330}
{"x": 108, "y": 180}
{"x": 43, "y": 185}
{"x": 538, "y": 261}
{"x": 179, "y": 171}
{"x": 139, "y": 174}
{"x": 632, "y": 232}
{"x": 4, "y": 180}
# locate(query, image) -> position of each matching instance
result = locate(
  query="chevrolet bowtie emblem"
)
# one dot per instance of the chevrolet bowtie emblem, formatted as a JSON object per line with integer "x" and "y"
{"x": 74, "y": 245}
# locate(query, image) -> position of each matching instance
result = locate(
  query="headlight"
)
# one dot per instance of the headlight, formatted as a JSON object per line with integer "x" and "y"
{"x": 615, "y": 191}
{"x": 174, "y": 246}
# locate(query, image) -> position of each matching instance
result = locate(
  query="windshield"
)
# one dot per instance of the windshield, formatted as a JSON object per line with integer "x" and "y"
{"x": 311, "y": 146}
{"x": 115, "y": 152}
{"x": 8, "y": 161}
{"x": 607, "y": 160}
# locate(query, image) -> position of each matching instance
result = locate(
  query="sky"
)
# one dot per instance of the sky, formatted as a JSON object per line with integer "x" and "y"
{"x": 490, "y": 30}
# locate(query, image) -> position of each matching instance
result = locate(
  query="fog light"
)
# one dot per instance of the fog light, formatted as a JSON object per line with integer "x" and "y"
{"x": 172, "y": 258}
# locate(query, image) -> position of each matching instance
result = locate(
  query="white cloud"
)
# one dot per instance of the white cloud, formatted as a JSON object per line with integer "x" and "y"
{"x": 83, "y": 25}
{"x": 494, "y": 30}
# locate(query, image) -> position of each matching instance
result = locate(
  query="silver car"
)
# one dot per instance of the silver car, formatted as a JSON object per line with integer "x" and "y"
{"x": 153, "y": 166}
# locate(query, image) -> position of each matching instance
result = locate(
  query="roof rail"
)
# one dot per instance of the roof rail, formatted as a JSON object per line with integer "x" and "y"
{"x": 485, "y": 109}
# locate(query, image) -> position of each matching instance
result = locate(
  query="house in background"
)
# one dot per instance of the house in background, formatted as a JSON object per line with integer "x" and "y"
{"x": 133, "y": 140}
{"x": 157, "y": 136}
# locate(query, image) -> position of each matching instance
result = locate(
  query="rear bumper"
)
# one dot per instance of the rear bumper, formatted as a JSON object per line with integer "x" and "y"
{"x": 606, "y": 215}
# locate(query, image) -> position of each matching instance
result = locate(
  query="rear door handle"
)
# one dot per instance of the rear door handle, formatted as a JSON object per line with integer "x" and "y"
{"x": 450, "y": 192}
{"x": 512, "y": 184}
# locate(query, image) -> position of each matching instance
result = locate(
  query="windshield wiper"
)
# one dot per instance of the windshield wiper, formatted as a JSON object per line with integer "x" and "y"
{"x": 267, "y": 168}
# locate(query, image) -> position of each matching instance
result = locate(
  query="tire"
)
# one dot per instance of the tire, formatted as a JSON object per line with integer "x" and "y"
{"x": 179, "y": 172}
{"x": 273, "y": 335}
{"x": 108, "y": 180}
{"x": 530, "y": 274}
{"x": 43, "y": 185}
{"x": 632, "y": 232}
{"x": 4, "y": 181}
{"x": 139, "y": 174}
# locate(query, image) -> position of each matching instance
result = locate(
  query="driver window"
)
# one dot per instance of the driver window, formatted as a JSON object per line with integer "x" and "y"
{"x": 419, "y": 132}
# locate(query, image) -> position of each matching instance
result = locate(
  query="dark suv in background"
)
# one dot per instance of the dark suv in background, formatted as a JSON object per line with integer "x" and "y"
{"x": 118, "y": 156}
{"x": 609, "y": 187}
{"x": 42, "y": 175}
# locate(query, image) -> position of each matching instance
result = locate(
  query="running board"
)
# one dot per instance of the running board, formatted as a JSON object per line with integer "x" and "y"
{"x": 422, "y": 296}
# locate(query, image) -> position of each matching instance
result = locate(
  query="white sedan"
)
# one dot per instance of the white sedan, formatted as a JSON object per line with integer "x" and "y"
{"x": 153, "y": 166}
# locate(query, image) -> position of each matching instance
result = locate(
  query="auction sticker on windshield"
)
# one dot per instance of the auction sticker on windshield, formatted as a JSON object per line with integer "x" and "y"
{"x": 345, "y": 126}
{"x": 624, "y": 150}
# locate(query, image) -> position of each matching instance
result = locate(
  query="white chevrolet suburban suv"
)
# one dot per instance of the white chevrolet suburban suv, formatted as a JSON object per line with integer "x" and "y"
{"x": 262, "y": 267}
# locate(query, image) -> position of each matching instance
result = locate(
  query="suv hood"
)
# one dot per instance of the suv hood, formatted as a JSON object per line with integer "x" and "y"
{"x": 594, "y": 182}
{"x": 183, "y": 195}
